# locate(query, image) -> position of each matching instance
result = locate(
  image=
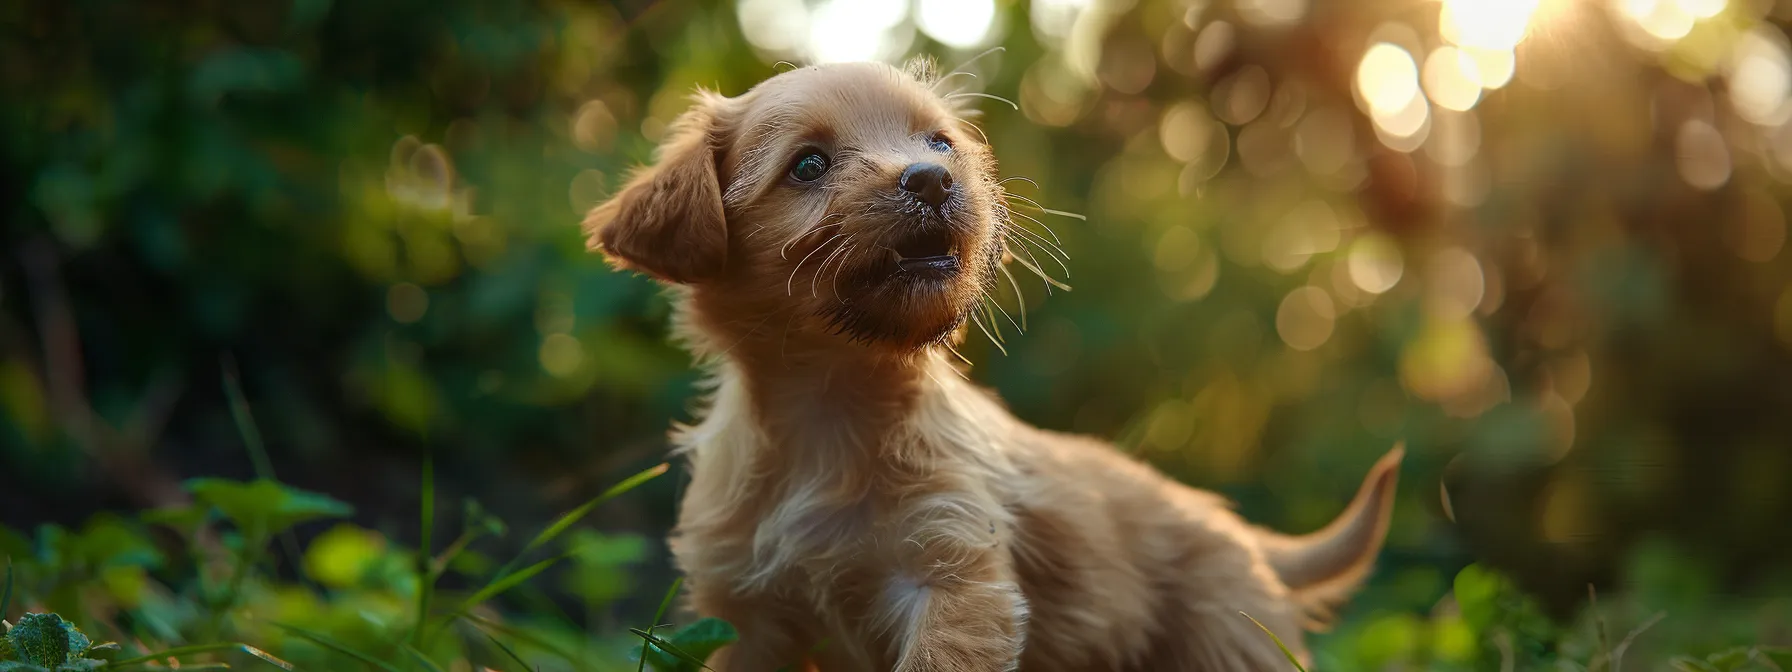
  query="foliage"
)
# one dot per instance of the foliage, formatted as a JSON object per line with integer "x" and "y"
{"x": 1570, "y": 298}
{"x": 46, "y": 643}
{"x": 364, "y": 607}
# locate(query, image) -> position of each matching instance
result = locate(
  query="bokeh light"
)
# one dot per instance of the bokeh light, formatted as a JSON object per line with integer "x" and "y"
{"x": 1452, "y": 79}
{"x": 961, "y": 24}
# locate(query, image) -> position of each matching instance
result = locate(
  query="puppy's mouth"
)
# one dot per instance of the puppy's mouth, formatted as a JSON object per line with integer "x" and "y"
{"x": 926, "y": 254}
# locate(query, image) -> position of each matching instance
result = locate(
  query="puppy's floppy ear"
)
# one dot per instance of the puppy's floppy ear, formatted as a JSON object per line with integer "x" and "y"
{"x": 667, "y": 221}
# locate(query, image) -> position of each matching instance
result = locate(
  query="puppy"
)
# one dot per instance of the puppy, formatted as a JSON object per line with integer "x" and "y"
{"x": 855, "y": 504}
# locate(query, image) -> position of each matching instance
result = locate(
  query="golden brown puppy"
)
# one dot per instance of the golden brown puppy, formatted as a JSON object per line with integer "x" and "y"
{"x": 855, "y": 503}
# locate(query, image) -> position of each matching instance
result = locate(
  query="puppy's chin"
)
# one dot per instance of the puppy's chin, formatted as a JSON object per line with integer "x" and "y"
{"x": 906, "y": 303}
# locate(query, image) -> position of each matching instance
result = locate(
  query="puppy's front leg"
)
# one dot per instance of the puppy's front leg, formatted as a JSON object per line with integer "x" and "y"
{"x": 965, "y": 614}
{"x": 967, "y": 628}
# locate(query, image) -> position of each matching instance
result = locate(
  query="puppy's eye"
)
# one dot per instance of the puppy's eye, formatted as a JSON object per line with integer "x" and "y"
{"x": 939, "y": 142}
{"x": 809, "y": 167}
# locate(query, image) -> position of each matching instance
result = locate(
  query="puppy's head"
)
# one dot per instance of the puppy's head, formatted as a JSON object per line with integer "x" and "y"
{"x": 851, "y": 199}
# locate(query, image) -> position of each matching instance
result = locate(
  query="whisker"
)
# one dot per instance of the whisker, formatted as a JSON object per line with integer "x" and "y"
{"x": 975, "y": 127}
{"x": 1044, "y": 245}
{"x": 1033, "y": 266}
{"x": 793, "y": 66}
{"x": 1020, "y": 299}
{"x": 755, "y": 232}
{"x": 788, "y": 284}
{"x": 784, "y": 252}
{"x": 950, "y": 75}
{"x": 978, "y": 57}
{"x": 979, "y": 94}
{"x": 960, "y": 356}
{"x": 1049, "y": 211}
{"x": 992, "y": 339}
{"x": 819, "y": 270}
{"x": 842, "y": 267}
{"x": 1042, "y": 225}
{"x": 990, "y": 316}
{"x": 1016, "y": 178}
{"x": 992, "y": 301}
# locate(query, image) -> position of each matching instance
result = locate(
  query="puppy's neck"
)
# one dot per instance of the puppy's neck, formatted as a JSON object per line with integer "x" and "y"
{"x": 797, "y": 386}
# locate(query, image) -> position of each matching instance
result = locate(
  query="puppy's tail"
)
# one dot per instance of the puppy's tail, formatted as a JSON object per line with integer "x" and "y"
{"x": 1323, "y": 567}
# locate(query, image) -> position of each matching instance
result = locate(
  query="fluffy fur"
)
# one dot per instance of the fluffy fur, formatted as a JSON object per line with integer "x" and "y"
{"x": 856, "y": 504}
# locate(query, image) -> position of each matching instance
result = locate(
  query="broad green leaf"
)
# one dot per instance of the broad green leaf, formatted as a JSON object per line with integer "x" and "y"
{"x": 666, "y": 656}
{"x": 263, "y": 505}
{"x": 184, "y": 518}
{"x": 1477, "y": 595}
{"x": 703, "y": 638}
{"x": 344, "y": 555}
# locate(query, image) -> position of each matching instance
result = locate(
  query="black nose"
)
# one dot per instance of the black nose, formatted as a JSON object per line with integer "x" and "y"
{"x": 930, "y": 182}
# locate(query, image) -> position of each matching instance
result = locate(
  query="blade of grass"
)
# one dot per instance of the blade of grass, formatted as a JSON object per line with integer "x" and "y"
{"x": 202, "y": 648}
{"x": 1278, "y": 640}
{"x": 427, "y": 664}
{"x": 1604, "y": 659}
{"x": 669, "y": 648}
{"x": 521, "y": 635}
{"x": 256, "y": 447}
{"x": 426, "y": 577}
{"x": 579, "y": 513}
{"x": 1624, "y": 645}
{"x": 506, "y": 582}
{"x": 325, "y": 641}
{"x": 6, "y": 593}
{"x": 521, "y": 664}
{"x": 665, "y": 604}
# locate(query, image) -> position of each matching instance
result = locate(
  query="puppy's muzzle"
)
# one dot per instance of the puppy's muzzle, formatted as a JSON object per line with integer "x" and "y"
{"x": 930, "y": 183}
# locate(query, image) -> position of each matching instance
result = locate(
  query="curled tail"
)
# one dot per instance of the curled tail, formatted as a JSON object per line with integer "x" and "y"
{"x": 1323, "y": 567}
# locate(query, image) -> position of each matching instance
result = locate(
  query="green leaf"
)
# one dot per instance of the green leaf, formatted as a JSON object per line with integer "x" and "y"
{"x": 1278, "y": 640}
{"x": 44, "y": 639}
{"x": 15, "y": 666}
{"x": 662, "y": 648}
{"x": 327, "y": 642}
{"x": 264, "y": 505}
{"x": 506, "y": 582}
{"x": 579, "y": 513}
{"x": 184, "y": 518}
{"x": 703, "y": 638}
{"x": 1477, "y": 594}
